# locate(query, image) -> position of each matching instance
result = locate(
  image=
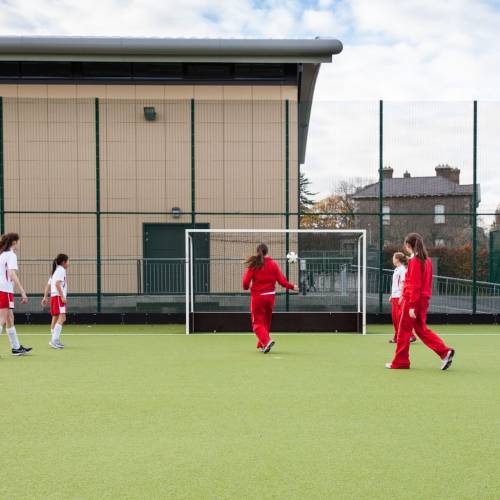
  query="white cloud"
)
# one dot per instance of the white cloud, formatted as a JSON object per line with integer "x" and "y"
{"x": 410, "y": 51}
{"x": 396, "y": 50}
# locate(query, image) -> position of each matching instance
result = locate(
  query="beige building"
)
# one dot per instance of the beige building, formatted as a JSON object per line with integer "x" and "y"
{"x": 111, "y": 147}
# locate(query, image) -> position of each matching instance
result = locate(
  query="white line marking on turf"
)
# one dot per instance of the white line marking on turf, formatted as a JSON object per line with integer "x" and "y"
{"x": 478, "y": 334}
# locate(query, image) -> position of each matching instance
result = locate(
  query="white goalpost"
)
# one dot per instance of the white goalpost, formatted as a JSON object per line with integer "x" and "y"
{"x": 330, "y": 270}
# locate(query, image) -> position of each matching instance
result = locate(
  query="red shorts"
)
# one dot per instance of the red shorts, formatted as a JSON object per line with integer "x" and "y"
{"x": 57, "y": 306}
{"x": 6, "y": 300}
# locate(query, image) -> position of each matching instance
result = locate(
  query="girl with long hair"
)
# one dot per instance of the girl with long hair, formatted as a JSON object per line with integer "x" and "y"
{"x": 260, "y": 277}
{"x": 58, "y": 287}
{"x": 417, "y": 292}
{"x": 9, "y": 278}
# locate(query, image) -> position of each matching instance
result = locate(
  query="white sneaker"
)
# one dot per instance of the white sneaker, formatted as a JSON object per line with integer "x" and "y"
{"x": 388, "y": 365}
{"x": 55, "y": 345}
{"x": 448, "y": 359}
{"x": 60, "y": 345}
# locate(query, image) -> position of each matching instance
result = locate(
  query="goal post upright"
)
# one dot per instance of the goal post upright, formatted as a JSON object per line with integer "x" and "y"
{"x": 365, "y": 291}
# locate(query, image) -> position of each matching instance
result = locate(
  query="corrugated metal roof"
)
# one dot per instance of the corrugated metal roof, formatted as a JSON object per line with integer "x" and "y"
{"x": 415, "y": 186}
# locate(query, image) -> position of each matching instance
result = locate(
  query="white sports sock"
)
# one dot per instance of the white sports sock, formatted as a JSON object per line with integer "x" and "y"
{"x": 56, "y": 334}
{"x": 14, "y": 341}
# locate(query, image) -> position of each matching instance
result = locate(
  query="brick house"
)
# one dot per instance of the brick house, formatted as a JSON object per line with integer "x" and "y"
{"x": 433, "y": 200}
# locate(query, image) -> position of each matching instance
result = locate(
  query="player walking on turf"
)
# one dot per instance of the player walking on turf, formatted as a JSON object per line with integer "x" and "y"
{"x": 398, "y": 278}
{"x": 8, "y": 277}
{"x": 58, "y": 287}
{"x": 261, "y": 276}
{"x": 417, "y": 292}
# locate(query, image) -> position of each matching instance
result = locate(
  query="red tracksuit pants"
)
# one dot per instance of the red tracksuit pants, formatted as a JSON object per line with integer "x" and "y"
{"x": 261, "y": 307}
{"x": 397, "y": 309}
{"x": 427, "y": 336}
{"x": 396, "y": 315}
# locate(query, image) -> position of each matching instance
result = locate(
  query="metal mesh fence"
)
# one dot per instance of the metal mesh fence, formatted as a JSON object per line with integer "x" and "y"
{"x": 114, "y": 183}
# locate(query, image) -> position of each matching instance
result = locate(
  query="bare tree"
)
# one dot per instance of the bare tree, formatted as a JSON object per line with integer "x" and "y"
{"x": 336, "y": 211}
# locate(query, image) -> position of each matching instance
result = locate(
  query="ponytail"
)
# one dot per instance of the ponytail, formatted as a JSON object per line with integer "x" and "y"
{"x": 60, "y": 259}
{"x": 257, "y": 261}
{"x": 7, "y": 240}
{"x": 401, "y": 257}
{"x": 416, "y": 242}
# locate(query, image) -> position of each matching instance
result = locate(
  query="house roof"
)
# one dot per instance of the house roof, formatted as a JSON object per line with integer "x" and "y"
{"x": 76, "y": 48}
{"x": 415, "y": 186}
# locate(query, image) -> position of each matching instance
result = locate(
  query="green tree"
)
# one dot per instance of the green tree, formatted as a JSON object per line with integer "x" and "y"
{"x": 306, "y": 200}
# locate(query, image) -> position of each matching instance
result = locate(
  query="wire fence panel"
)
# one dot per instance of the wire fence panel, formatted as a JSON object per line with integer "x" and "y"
{"x": 115, "y": 182}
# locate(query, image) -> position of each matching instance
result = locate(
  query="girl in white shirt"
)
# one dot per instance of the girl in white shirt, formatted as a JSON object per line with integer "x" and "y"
{"x": 58, "y": 287}
{"x": 9, "y": 278}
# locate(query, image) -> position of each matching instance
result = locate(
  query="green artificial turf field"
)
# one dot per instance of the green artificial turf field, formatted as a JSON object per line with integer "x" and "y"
{"x": 146, "y": 415}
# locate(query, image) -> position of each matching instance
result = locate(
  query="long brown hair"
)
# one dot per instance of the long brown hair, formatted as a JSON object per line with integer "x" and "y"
{"x": 7, "y": 240}
{"x": 416, "y": 243}
{"x": 59, "y": 260}
{"x": 257, "y": 261}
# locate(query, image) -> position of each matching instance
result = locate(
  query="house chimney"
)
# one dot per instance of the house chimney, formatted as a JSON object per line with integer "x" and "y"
{"x": 450, "y": 173}
{"x": 406, "y": 175}
{"x": 387, "y": 173}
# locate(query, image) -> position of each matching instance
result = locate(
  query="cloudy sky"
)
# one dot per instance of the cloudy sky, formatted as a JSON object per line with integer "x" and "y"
{"x": 414, "y": 54}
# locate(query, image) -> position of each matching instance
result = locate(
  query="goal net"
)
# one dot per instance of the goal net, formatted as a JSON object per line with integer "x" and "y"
{"x": 329, "y": 267}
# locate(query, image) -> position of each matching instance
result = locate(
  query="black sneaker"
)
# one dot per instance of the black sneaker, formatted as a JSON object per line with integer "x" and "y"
{"x": 21, "y": 351}
{"x": 268, "y": 347}
{"x": 448, "y": 359}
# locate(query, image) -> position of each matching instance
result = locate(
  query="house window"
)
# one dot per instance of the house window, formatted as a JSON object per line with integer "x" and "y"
{"x": 439, "y": 217}
{"x": 386, "y": 218}
{"x": 439, "y": 242}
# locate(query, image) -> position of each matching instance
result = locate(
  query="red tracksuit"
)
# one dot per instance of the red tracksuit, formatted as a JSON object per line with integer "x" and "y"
{"x": 263, "y": 281}
{"x": 417, "y": 292}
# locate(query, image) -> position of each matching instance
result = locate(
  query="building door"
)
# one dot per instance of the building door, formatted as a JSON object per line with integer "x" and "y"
{"x": 164, "y": 253}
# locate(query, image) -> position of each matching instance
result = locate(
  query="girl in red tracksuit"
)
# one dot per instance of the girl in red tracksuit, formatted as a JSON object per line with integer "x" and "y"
{"x": 262, "y": 274}
{"x": 417, "y": 292}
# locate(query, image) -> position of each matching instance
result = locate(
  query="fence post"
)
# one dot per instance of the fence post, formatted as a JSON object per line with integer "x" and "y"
{"x": 381, "y": 206}
{"x": 287, "y": 195}
{"x": 474, "y": 213}
{"x": 193, "y": 166}
{"x": 98, "y": 206}
{"x": 2, "y": 198}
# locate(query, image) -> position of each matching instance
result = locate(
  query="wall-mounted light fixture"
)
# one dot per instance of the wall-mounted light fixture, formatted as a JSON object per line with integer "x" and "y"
{"x": 176, "y": 212}
{"x": 150, "y": 113}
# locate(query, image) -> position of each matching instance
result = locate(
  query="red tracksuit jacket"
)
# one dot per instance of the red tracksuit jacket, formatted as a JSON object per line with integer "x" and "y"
{"x": 418, "y": 282}
{"x": 264, "y": 279}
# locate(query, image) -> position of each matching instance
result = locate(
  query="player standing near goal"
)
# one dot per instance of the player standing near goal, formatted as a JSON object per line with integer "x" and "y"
{"x": 417, "y": 292}
{"x": 261, "y": 276}
{"x": 58, "y": 287}
{"x": 8, "y": 276}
